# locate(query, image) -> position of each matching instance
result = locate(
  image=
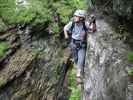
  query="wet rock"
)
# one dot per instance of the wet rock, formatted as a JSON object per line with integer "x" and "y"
{"x": 5, "y": 36}
{"x": 25, "y": 37}
{"x": 12, "y": 38}
{"x": 106, "y": 63}
{"x": 130, "y": 92}
{"x": 16, "y": 66}
{"x": 121, "y": 8}
{"x": 41, "y": 79}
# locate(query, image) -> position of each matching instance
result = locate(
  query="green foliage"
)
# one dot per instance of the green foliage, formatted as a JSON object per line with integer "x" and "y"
{"x": 24, "y": 16}
{"x": 130, "y": 72}
{"x": 130, "y": 56}
{"x": 35, "y": 10}
{"x": 3, "y": 27}
{"x": 3, "y": 48}
{"x": 75, "y": 94}
{"x": 2, "y": 82}
{"x": 35, "y": 52}
{"x": 55, "y": 28}
{"x": 65, "y": 9}
{"x": 38, "y": 12}
{"x": 65, "y": 13}
{"x": 78, "y": 4}
{"x": 7, "y": 10}
{"x": 41, "y": 10}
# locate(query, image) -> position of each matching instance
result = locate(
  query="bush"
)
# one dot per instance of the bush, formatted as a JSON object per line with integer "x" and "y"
{"x": 3, "y": 48}
{"x": 39, "y": 12}
{"x": 130, "y": 56}
{"x": 7, "y": 10}
{"x": 25, "y": 16}
{"x": 65, "y": 9}
{"x": 3, "y": 27}
{"x": 35, "y": 10}
{"x": 75, "y": 94}
{"x": 55, "y": 28}
{"x": 78, "y": 4}
{"x": 130, "y": 72}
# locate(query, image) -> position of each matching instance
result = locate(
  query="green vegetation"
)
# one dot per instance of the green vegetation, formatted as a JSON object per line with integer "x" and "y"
{"x": 35, "y": 52}
{"x": 55, "y": 28}
{"x": 3, "y": 48}
{"x": 130, "y": 72}
{"x": 3, "y": 27}
{"x": 130, "y": 56}
{"x": 7, "y": 10}
{"x": 75, "y": 94}
{"x": 36, "y": 12}
{"x": 2, "y": 82}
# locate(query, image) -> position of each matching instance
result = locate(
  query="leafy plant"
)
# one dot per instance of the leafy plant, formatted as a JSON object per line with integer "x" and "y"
{"x": 3, "y": 27}
{"x": 130, "y": 56}
{"x": 3, "y": 48}
{"x": 55, "y": 28}
{"x": 75, "y": 94}
{"x": 65, "y": 9}
{"x": 35, "y": 10}
{"x": 130, "y": 72}
{"x": 25, "y": 16}
{"x": 78, "y": 4}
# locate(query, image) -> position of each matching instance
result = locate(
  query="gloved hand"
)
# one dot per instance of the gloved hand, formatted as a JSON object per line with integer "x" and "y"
{"x": 92, "y": 19}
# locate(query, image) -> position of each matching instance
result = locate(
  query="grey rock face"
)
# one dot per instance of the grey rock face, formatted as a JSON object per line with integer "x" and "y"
{"x": 25, "y": 78}
{"x": 105, "y": 70}
{"x": 122, "y": 8}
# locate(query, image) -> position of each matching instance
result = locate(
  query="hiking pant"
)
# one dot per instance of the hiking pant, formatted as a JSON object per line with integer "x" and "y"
{"x": 78, "y": 53}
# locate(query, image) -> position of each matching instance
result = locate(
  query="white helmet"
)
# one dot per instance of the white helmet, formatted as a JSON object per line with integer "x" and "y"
{"x": 80, "y": 13}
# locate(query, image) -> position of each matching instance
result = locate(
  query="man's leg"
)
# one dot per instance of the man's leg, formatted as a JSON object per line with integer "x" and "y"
{"x": 80, "y": 63}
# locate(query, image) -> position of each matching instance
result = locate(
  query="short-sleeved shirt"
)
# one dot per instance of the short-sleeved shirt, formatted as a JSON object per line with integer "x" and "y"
{"x": 78, "y": 30}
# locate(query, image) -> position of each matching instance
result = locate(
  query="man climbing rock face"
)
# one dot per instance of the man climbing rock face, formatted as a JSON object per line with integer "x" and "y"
{"x": 78, "y": 28}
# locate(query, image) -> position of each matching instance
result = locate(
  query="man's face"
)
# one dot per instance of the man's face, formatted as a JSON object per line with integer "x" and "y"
{"x": 77, "y": 19}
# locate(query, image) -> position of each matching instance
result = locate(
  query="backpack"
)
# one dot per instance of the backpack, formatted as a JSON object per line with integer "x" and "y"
{"x": 84, "y": 26}
{"x": 71, "y": 28}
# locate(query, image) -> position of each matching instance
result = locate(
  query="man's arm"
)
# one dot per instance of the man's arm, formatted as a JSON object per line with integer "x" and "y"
{"x": 66, "y": 29}
{"x": 66, "y": 33}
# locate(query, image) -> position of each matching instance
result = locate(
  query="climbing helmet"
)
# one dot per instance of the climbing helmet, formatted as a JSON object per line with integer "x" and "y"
{"x": 80, "y": 13}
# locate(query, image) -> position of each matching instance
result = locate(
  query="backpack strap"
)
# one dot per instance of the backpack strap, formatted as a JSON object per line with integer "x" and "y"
{"x": 84, "y": 26}
{"x": 72, "y": 26}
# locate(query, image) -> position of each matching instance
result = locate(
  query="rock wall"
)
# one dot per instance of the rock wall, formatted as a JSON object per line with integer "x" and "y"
{"x": 123, "y": 8}
{"x": 106, "y": 66}
{"x": 34, "y": 70}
